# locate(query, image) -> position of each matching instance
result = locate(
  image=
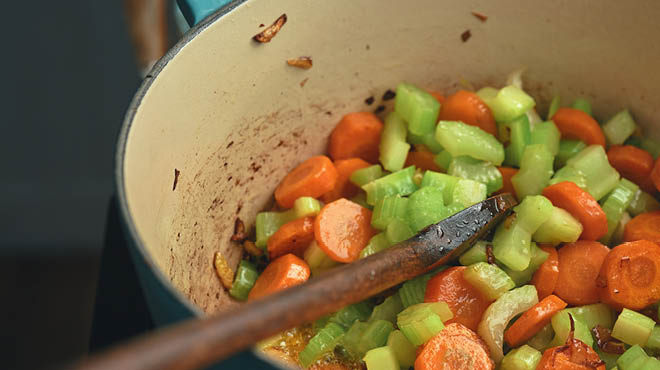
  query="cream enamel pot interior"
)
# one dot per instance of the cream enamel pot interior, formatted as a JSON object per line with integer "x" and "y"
{"x": 232, "y": 118}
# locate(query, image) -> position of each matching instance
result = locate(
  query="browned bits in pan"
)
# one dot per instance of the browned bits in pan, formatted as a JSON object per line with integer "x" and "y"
{"x": 225, "y": 273}
{"x": 389, "y": 95}
{"x": 490, "y": 257}
{"x": 480, "y": 16}
{"x": 269, "y": 32}
{"x": 606, "y": 342}
{"x": 252, "y": 249}
{"x": 176, "y": 178}
{"x": 239, "y": 231}
{"x": 369, "y": 100}
{"x": 466, "y": 35}
{"x": 379, "y": 109}
{"x": 300, "y": 62}
{"x": 303, "y": 82}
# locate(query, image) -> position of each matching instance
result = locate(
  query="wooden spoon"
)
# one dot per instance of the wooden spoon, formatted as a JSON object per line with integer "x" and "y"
{"x": 200, "y": 342}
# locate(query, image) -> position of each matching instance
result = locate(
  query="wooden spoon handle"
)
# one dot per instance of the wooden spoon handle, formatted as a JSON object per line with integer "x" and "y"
{"x": 201, "y": 342}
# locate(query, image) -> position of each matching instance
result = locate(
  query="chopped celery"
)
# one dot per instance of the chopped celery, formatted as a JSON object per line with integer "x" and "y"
{"x": 615, "y": 204}
{"x": 393, "y": 146}
{"x": 377, "y": 243}
{"x": 521, "y": 358}
{"x": 617, "y": 237}
{"x": 477, "y": 170}
{"x": 593, "y": 315}
{"x": 306, "y": 206}
{"x": 403, "y": 350}
{"x": 351, "y": 313}
{"x": 350, "y": 341}
{"x": 652, "y": 364}
{"x": 398, "y": 231}
{"x": 361, "y": 337}
{"x": 548, "y": 134}
{"x": 600, "y": 176}
{"x": 487, "y": 94}
{"x": 387, "y": 310}
{"x": 583, "y": 105}
{"x": 323, "y": 342}
{"x": 642, "y": 202}
{"x": 651, "y": 146}
{"x": 320, "y": 323}
{"x": 561, "y": 324}
{"x": 366, "y": 175}
{"x": 426, "y": 207}
{"x": 489, "y": 279}
{"x": 567, "y": 173}
{"x": 246, "y": 276}
{"x": 567, "y": 150}
{"x": 518, "y": 134}
{"x": 388, "y": 209}
{"x": 535, "y": 171}
{"x": 441, "y": 181}
{"x": 512, "y": 246}
{"x": 499, "y": 313}
{"x": 619, "y": 127}
{"x": 476, "y": 253}
{"x": 381, "y": 358}
{"x": 397, "y": 183}
{"x": 459, "y": 138}
{"x": 653, "y": 343}
{"x": 317, "y": 260}
{"x": 631, "y": 355}
{"x": 632, "y": 327}
{"x": 422, "y": 321}
{"x": 468, "y": 192}
{"x": 554, "y": 106}
{"x": 538, "y": 256}
{"x": 267, "y": 223}
{"x": 361, "y": 199}
{"x": 510, "y": 103}
{"x": 543, "y": 338}
{"x": 443, "y": 159}
{"x": 532, "y": 212}
{"x": 428, "y": 140}
{"x": 608, "y": 358}
{"x": 412, "y": 291}
{"x": 417, "y": 107}
{"x": 418, "y": 176}
{"x": 561, "y": 227}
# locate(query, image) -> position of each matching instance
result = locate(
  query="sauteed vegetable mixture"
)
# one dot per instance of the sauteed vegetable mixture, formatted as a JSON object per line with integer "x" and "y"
{"x": 571, "y": 280}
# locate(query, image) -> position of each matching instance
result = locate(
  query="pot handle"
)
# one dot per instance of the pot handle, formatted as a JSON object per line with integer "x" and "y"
{"x": 196, "y": 10}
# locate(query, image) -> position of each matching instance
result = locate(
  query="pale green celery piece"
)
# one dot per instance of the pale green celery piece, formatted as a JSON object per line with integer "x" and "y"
{"x": 388, "y": 209}
{"x": 521, "y": 358}
{"x": 570, "y": 174}
{"x": 443, "y": 160}
{"x": 561, "y": 324}
{"x": 428, "y": 140}
{"x": 487, "y": 94}
{"x": 246, "y": 276}
{"x": 468, "y": 192}
{"x": 608, "y": 358}
{"x": 348, "y": 315}
{"x": 601, "y": 177}
{"x": 568, "y": 149}
{"x": 404, "y": 351}
{"x": 512, "y": 246}
{"x": 617, "y": 237}
{"x": 561, "y": 227}
{"x": 459, "y": 139}
{"x": 426, "y": 206}
{"x": 538, "y": 256}
{"x": 306, "y": 207}
{"x": 653, "y": 343}
{"x": 366, "y": 175}
{"x": 381, "y": 358}
{"x": 497, "y": 316}
{"x": 593, "y": 315}
{"x": 361, "y": 199}
{"x": 651, "y": 146}
{"x": 643, "y": 202}
{"x": 633, "y": 328}
{"x": 419, "y": 323}
{"x": 393, "y": 146}
{"x": 476, "y": 253}
{"x": 615, "y": 204}
{"x": 629, "y": 357}
{"x": 412, "y": 291}
{"x": 583, "y": 105}
{"x": 473, "y": 169}
{"x": 510, "y": 103}
{"x": 554, "y": 106}
{"x": 489, "y": 279}
{"x": 377, "y": 243}
{"x": 398, "y": 231}
{"x": 323, "y": 342}
{"x": 652, "y": 364}
{"x": 518, "y": 134}
{"x": 362, "y": 337}
{"x": 387, "y": 310}
{"x": 267, "y": 223}
{"x": 442, "y": 181}
{"x": 619, "y": 127}
{"x": 396, "y": 183}
{"x": 532, "y": 212}
{"x": 417, "y": 107}
{"x": 541, "y": 340}
{"x": 317, "y": 260}
{"x": 536, "y": 169}
{"x": 548, "y": 134}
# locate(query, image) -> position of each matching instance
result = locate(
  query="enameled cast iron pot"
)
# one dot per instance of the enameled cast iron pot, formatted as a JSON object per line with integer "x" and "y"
{"x": 221, "y": 119}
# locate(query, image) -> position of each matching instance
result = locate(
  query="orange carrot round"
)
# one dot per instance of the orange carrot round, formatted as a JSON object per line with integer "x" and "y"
{"x": 575, "y": 124}
{"x": 312, "y": 178}
{"x": 356, "y": 135}
{"x": 533, "y": 320}
{"x": 281, "y": 273}
{"x": 342, "y": 229}
{"x": 630, "y": 276}
{"x": 465, "y": 301}
{"x": 455, "y": 347}
{"x": 507, "y": 185}
{"x": 655, "y": 174}
{"x": 645, "y": 226}
{"x": 581, "y": 205}
{"x": 468, "y": 108}
{"x": 292, "y": 237}
{"x": 344, "y": 188}
{"x": 579, "y": 265}
{"x": 545, "y": 278}
{"x": 634, "y": 164}
{"x": 423, "y": 159}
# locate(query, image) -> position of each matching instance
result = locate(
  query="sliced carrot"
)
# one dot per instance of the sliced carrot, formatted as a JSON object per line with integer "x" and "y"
{"x": 634, "y": 164}
{"x": 507, "y": 185}
{"x": 467, "y": 107}
{"x": 545, "y": 278}
{"x": 579, "y": 265}
{"x": 533, "y": 320}
{"x": 423, "y": 159}
{"x": 630, "y": 275}
{"x": 645, "y": 226}
{"x": 581, "y": 205}
{"x": 344, "y": 188}
{"x": 312, "y": 178}
{"x": 342, "y": 229}
{"x": 574, "y": 357}
{"x": 455, "y": 347}
{"x": 281, "y": 273}
{"x": 575, "y": 124}
{"x": 292, "y": 237}
{"x": 655, "y": 174}
{"x": 465, "y": 301}
{"x": 356, "y": 135}
{"x": 440, "y": 97}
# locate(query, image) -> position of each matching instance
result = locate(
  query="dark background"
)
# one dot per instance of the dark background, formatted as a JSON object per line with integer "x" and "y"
{"x": 68, "y": 74}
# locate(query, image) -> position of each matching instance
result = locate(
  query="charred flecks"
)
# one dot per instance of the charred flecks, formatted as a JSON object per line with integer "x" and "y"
{"x": 240, "y": 234}
{"x": 176, "y": 178}
{"x": 389, "y": 95}
{"x": 466, "y": 35}
{"x": 300, "y": 62}
{"x": 370, "y": 100}
{"x": 480, "y": 16}
{"x": 269, "y": 32}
